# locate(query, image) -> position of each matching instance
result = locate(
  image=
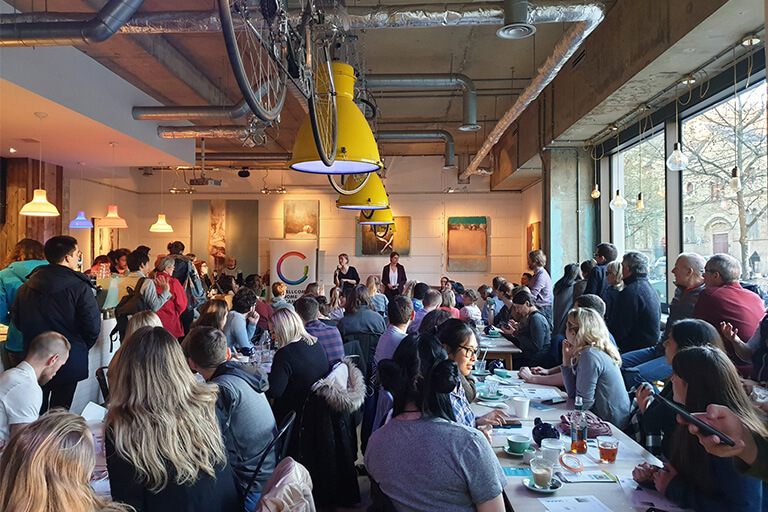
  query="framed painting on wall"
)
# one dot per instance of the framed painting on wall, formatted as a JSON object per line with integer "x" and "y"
{"x": 301, "y": 219}
{"x": 533, "y": 237}
{"x": 104, "y": 239}
{"x": 467, "y": 244}
{"x": 382, "y": 241}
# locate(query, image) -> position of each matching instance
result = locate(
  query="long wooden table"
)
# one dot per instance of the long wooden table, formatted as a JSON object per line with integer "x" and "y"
{"x": 611, "y": 494}
{"x": 498, "y": 348}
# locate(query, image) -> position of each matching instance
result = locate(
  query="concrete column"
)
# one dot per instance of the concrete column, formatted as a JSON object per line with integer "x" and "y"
{"x": 569, "y": 210}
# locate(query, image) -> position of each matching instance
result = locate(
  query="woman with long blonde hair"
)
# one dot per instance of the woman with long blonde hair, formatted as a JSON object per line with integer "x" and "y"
{"x": 299, "y": 362}
{"x": 379, "y": 301}
{"x": 591, "y": 367}
{"x": 164, "y": 445}
{"x": 614, "y": 278}
{"x": 336, "y": 306}
{"x": 47, "y": 466}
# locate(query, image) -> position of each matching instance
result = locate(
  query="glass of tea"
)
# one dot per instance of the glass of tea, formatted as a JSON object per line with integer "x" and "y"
{"x": 608, "y": 448}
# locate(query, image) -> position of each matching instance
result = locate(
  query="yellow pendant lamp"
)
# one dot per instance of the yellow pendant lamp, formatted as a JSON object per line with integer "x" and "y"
{"x": 161, "y": 226}
{"x": 376, "y": 218}
{"x": 356, "y": 149}
{"x": 371, "y": 196}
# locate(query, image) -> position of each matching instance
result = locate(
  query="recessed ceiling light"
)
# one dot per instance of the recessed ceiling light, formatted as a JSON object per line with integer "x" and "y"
{"x": 12, "y": 150}
{"x": 750, "y": 40}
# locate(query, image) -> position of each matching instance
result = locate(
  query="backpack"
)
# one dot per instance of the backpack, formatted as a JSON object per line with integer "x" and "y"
{"x": 130, "y": 304}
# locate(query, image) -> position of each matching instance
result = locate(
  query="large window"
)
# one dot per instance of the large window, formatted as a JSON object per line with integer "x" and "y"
{"x": 720, "y": 214}
{"x": 645, "y": 229}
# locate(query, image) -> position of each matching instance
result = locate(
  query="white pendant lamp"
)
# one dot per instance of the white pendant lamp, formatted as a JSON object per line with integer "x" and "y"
{"x": 161, "y": 226}
{"x": 39, "y": 206}
{"x": 113, "y": 219}
{"x": 677, "y": 161}
{"x": 618, "y": 203}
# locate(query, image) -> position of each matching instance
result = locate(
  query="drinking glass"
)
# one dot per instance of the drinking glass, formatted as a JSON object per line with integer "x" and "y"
{"x": 480, "y": 365}
{"x": 541, "y": 469}
{"x": 608, "y": 447}
{"x": 491, "y": 387}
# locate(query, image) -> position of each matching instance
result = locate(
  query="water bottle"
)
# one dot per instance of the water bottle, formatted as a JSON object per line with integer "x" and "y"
{"x": 579, "y": 428}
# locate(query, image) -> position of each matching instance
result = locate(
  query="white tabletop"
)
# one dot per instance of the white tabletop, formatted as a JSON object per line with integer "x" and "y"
{"x": 611, "y": 494}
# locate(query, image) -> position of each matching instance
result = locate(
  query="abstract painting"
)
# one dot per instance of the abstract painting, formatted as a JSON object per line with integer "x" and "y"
{"x": 533, "y": 237}
{"x": 301, "y": 219}
{"x": 222, "y": 228}
{"x": 467, "y": 244}
{"x": 382, "y": 240}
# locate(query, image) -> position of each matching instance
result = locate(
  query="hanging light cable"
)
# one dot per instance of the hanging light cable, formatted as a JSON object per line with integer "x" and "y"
{"x": 640, "y": 202}
{"x": 39, "y": 205}
{"x": 677, "y": 161}
{"x": 736, "y": 171}
{"x": 113, "y": 219}
{"x": 618, "y": 203}
{"x": 80, "y": 221}
{"x": 593, "y": 154}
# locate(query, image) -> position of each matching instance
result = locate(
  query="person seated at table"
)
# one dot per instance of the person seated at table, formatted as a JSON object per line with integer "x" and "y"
{"x": 470, "y": 312}
{"x": 460, "y": 341}
{"x": 591, "y": 367}
{"x": 692, "y": 479}
{"x": 400, "y": 314}
{"x": 244, "y": 414}
{"x": 563, "y": 295}
{"x": 530, "y": 331}
{"x": 653, "y": 425}
{"x": 422, "y": 459}
{"x": 336, "y": 304}
{"x": 433, "y": 320}
{"x": 580, "y": 286}
{"x": 449, "y": 303}
{"x": 142, "y": 319}
{"x": 378, "y": 299}
{"x": 241, "y": 321}
{"x": 359, "y": 316}
{"x": 47, "y": 466}
{"x": 279, "y": 290}
{"x": 419, "y": 292}
{"x": 164, "y": 445}
{"x": 431, "y": 301}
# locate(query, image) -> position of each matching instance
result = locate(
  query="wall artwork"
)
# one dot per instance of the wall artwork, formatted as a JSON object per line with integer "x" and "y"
{"x": 381, "y": 241}
{"x": 104, "y": 239}
{"x": 301, "y": 219}
{"x": 222, "y": 228}
{"x": 467, "y": 244}
{"x": 533, "y": 237}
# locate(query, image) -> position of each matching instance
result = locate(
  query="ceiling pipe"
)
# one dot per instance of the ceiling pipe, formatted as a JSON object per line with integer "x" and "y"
{"x": 450, "y": 154}
{"x": 245, "y": 157}
{"x": 452, "y": 80}
{"x": 196, "y": 132}
{"x": 183, "y": 113}
{"x": 589, "y": 17}
{"x": 97, "y": 29}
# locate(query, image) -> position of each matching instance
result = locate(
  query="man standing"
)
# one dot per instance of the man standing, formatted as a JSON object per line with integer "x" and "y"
{"x": 540, "y": 283}
{"x": 58, "y": 298}
{"x": 20, "y": 393}
{"x": 649, "y": 364}
{"x": 400, "y": 313}
{"x": 724, "y": 300}
{"x": 596, "y": 282}
{"x": 329, "y": 337}
{"x": 636, "y": 320}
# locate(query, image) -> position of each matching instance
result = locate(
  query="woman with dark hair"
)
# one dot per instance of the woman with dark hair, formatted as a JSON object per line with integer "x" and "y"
{"x": 359, "y": 316}
{"x": 227, "y": 285}
{"x": 119, "y": 261}
{"x": 450, "y": 467}
{"x": 693, "y": 479}
{"x": 345, "y": 276}
{"x": 393, "y": 276}
{"x": 459, "y": 339}
{"x": 563, "y": 297}
{"x": 433, "y": 320}
{"x": 26, "y": 256}
{"x": 657, "y": 423}
{"x": 581, "y": 285}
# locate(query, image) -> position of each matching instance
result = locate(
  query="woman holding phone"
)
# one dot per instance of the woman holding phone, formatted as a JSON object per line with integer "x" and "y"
{"x": 693, "y": 479}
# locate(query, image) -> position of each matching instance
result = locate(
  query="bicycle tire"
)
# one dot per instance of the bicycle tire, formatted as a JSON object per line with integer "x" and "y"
{"x": 361, "y": 180}
{"x": 323, "y": 115}
{"x": 257, "y": 57}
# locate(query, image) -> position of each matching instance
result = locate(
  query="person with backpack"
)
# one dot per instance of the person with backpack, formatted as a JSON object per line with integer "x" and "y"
{"x": 138, "y": 292}
{"x": 184, "y": 272}
{"x": 170, "y": 313}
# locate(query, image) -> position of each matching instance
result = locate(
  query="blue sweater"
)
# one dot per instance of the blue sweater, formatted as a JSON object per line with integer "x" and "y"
{"x": 11, "y": 279}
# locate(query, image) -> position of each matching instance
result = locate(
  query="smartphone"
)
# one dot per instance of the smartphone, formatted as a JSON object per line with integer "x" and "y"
{"x": 510, "y": 424}
{"x": 706, "y": 429}
{"x": 553, "y": 401}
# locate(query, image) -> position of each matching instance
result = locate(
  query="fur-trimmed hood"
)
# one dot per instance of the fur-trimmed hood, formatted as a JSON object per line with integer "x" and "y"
{"x": 343, "y": 388}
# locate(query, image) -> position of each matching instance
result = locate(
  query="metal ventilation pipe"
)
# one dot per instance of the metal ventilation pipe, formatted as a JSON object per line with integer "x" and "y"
{"x": 516, "y": 24}
{"x": 450, "y": 153}
{"x": 196, "y": 132}
{"x": 183, "y": 113}
{"x": 589, "y": 17}
{"x": 65, "y": 33}
{"x": 436, "y": 81}
{"x": 245, "y": 157}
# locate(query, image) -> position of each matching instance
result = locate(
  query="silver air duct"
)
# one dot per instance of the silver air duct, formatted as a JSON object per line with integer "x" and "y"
{"x": 450, "y": 155}
{"x": 516, "y": 24}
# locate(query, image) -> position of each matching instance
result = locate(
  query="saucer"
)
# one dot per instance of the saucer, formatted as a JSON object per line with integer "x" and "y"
{"x": 478, "y": 373}
{"x": 554, "y": 486}
{"x": 510, "y": 452}
{"x": 497, "y": 396}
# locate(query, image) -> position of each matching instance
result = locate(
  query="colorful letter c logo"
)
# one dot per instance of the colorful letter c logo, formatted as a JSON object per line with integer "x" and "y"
{"x": 280, "y": 264}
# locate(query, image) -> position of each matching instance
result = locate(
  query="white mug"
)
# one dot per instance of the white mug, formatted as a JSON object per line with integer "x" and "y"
{"x": 551, "y": 449}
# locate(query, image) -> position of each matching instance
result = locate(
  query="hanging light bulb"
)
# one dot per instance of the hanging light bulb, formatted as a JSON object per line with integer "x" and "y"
{"x": 39, "y": 206}
{"x": 618, "y": 203}
{"x": 677, "y": 161}
{"x": 640, "y": 203}
{"x": 595, "y": 192}
{"x": 735, "y": 179}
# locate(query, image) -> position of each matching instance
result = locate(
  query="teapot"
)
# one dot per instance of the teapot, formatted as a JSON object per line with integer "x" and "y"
{"x": 542, "y": 430}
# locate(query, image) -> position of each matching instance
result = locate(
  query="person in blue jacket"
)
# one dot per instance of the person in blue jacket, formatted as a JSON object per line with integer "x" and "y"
{"x": 27, "y": 255}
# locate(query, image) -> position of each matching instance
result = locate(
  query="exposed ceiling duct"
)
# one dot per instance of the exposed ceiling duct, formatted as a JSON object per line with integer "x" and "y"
{"x": 244, "y": 157}
{"x": 450, "y": 155}
{"x": 589, "y": 17}
{"x": 452, "y": 80}
{"x": 196, "y": 132}
{"x": 183, "y": 113}
{"x": 516, "y": 24}
{"x": 97, "y": 29}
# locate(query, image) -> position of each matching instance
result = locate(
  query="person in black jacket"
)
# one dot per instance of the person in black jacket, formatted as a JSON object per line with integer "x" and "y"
{"x": 530, "y": 330}
{"x": 58, "y": 298}
{"x": 596, "y": 283}
{"x": 393, "y": 276}
{"x": 636, "y": 316}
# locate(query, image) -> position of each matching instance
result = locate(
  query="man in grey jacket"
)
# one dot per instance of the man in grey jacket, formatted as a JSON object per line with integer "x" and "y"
{"x": 245, "y": 417}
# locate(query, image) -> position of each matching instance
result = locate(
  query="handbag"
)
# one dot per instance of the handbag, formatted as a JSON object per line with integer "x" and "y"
{"x": 595, "y": 426}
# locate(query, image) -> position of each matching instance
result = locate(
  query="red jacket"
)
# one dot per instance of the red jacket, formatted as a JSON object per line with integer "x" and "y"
{"x": 169, "y": 313}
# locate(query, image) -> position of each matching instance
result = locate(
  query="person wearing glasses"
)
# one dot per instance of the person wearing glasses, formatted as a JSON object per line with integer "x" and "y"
{"x": 460, "y": 341}
{"x": 724, "y": 300}
{"x": 59, "y": 298}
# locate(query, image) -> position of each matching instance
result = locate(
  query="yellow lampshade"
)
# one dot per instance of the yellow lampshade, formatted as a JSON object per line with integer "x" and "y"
{"x": 113, "y": 219}
{"x": 376, "y": 218}
{"x": 356, "y": 149}
{"x": 161, "y": 226}
{"x": 371, "y": 197}
{"x": 39, "y": 206}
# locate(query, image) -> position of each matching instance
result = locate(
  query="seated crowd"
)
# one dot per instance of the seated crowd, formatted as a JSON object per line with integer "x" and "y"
{"x": 194, "y": 423}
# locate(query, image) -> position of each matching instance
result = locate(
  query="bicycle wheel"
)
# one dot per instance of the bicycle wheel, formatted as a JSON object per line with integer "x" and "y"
{"x": 350, "y": 183}
{"x": 322, "y": 102}
{"x": 256, "y": 42}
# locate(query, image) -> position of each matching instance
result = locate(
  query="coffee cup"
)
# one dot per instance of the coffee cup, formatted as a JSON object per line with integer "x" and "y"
{"x": 518, "y": 443}
{"x": 528, "y": 455}
{"x": 521, "y": 405}
{"x": 551, "y": 449}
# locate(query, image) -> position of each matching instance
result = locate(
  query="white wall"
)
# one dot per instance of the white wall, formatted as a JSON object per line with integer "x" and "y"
{"x": 416, "y": 188}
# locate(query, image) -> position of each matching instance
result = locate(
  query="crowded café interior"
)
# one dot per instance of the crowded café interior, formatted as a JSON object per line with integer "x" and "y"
{"x": 373, "y": 255}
